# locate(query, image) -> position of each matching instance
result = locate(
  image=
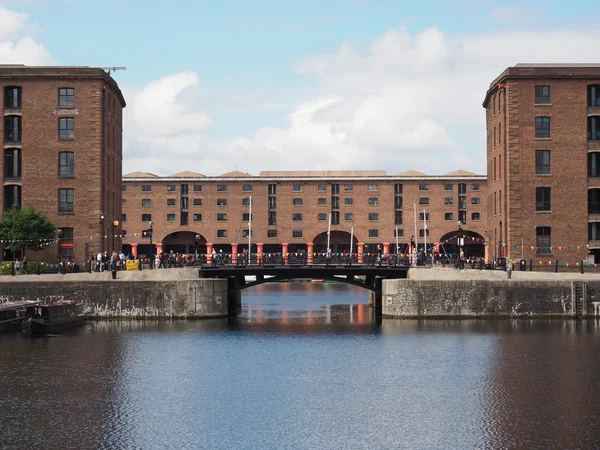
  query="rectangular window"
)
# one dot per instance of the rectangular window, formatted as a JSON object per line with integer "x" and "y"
{"x": 171, "y": 188}
{"x": 66, "y": 128}
{"x": 398, "y": 218}
{"x": 12, "y": 129}
{"x": 272, "y": 218}
{"x": 348, "y": 201}
{"x": 246, "y": 217}
{"x": 197, "y": 188}
{"x": 348, "y": 187}
{"x": 322, "y": 188}
{"x": 246, "y": 188}
{"x": 398, "y": 232}
{"x": 542, "y": 127}
{"x": 65, "y": 200}
{"x": 66, "y": 164}
{"x": 475, "y": 201}
{"x": 146, "y": 217}
{"x": 197, "y": 217}
{"x": 462, "y": 216}
{"x": 398, "y": 189}
{"x": 146, "y": 188}
{"x": 475, "y": 186}
{"x": 373, "y": 201}
{"x": 423, "y": 216}
{"x": 542, "y": 95}
{"x": 321, "y": 217}
{"x": 171, "y": 202}
{"x": 423, "y": 233}
{"x": 335, "y": 203}
{"x": 197, "y": 202}
{"x": 462, "y": 188}
{"x": 542, "y": 199}
{"x": 373, "y": 233}
{"x": 272, "y": 203}
{"x": 146, "y": 202}
{"x": 475, "y": 217}
{"x": 297, "y": 188}
{"x": 448, "y": 201}
{"x": 246, "y": 201}
{"x": 322, "y": 201}
{"x": 424, "y": 201}
{"x": 66, "y": 97}
{"x": 335, "y": 189}
{"x": 448, "y": 216}
{"x": 375, "y": 187}
{"x": 297, "y": 233}
{"x": 183, "y": 189}
{"x": 335, "y": 217}
{"x": 424, "y": 186}
{"x": 123, "y": 203}
{"x": 246, "y": 233}
{"x": 12, "y": 97}
{"x": 297, "y": 217}
{"x": 221, "y": 188}
{"x": 397, "y": 202}
{"x": 593, "y": 128}
{"x": 348, "y": 216}
{"x": 221, "y": 233}
{"x": 272, "y": 189}
{"x": 123, "y": 188}
{"x": 221, "y": 217}
{"x": 221, "y": 202}
{"x": 184, "y": 203}
{"x": 448, "y": 187}
{"x": 12, "y": 163}
{"x": 170, "y": 217}
{"x": 593, "y": 96}
{"x": 543, "y": 240}
{"x": 272, "y": 233}
{"x": 593, "y": 164}
{"x": 462, "y": 202}
{"x": 373, "y": 216}
{"x": 12, "y": 196}
{"x": 123, "y": 217}
{"x": 296, "y": 202}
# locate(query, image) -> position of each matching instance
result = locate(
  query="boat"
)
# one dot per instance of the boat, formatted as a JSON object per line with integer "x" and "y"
{"x": 12, "y": 314}
{"x": 53, "y": 317}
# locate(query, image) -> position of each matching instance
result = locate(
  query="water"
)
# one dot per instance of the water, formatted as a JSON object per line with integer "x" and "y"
{"x": 304, "y": 366}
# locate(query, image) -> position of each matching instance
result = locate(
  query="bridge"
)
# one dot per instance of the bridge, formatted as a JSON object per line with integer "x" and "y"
{"x": 367, "y": 276}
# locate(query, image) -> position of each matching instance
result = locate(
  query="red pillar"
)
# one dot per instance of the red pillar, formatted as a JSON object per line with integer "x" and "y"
{"x": 234, "y": 253}
{"x": 361, "y": 250}
{"x": 209, "y": 248}
{"x": 311, "y": 249}
{"x": 436, "y": 247}
{"x": 284, "y": 253}
{"x": 134, "y": 250}
{"x": 486, "y": 252}
{"x": 259, "y": 253}
{"x": 159, "y": 248}
{"x": 386, "y": 248}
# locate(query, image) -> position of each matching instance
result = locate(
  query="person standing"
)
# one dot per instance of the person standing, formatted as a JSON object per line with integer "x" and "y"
{"x": 99, "y": 262}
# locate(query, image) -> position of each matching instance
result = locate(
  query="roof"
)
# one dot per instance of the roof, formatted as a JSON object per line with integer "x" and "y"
{"x": 322, "y": 173}
{"x": 461, "y": 173}
{"x": 187, "y": 174}
{"x": 140, "y": 175}
{"x": 411, "y": 173}
{"x": 235, "y": 174}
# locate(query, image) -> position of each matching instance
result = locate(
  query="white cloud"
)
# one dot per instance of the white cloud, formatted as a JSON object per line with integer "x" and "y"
{"x": 406, "y": 102}
{"x": 16, "y": 46}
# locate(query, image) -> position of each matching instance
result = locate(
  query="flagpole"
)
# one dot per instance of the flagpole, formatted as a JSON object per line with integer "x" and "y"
{"x": 352, "y": 240}
{"x": 328, "y": 231}
{"x": 250, "y": 232}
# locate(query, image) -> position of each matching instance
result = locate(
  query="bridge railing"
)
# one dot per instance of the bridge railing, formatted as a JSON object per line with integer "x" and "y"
{"x": 303, "y": 259}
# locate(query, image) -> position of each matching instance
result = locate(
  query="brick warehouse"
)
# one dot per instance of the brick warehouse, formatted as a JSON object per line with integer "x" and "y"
{"x": 190, "y": 212}
{"x": 62, "y": 140}
{"x": 543, "y": 159}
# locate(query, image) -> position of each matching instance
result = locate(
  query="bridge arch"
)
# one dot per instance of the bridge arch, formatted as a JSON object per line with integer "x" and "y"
{"x": 474, "y": 243}
{"x": 339, "y": 242}
{"x": 184, "y": 242}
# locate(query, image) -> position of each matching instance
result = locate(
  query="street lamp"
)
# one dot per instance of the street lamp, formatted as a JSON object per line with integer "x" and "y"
{"x": 59, "y": 236}
{"x": 101, "y": 232}
{"x": 459, "y": 241}
{"x": 150, "y": 225}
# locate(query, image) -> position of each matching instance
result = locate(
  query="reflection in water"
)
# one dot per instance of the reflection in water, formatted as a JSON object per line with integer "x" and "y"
{"x": 304, "y": 366}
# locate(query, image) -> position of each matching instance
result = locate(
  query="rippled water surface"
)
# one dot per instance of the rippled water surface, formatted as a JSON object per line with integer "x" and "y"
{"x": 304, "y": 366}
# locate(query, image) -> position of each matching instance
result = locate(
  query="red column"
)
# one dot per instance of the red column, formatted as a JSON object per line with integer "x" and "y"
{"x": 134, "y": 250}
{"x": 386, "y": 248}
{"x": 284, "y": 253}
{"x": 311, "y": 249}
{"x": 361, "y": 250}
{"x": 486, "y": 252}
{"x": 436, "y": 247}
{"x": 209, "y": 248}
{"x": 159, "y": 248}
{"x": 234, "y": 253}
{"x": 259, "y": 253}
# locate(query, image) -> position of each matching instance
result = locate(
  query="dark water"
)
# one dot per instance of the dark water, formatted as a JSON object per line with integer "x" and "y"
{"x": 305, "y": 366}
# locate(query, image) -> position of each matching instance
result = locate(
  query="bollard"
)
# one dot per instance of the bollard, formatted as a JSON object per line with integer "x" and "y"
{"x": 581, "y": 266}
{"x": 89, "y": 265}
{"x": 114, "y": 272}
{"x": 509, "y": 271}
{"x": 139, "y": 264}
{"x": 531, "y": 265}
{"x": 38, "y": 267}
{"x": 556, "y": 266}
{"x": 12, "y": 269}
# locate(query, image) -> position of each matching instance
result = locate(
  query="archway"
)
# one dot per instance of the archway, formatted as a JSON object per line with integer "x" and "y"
{"x": 339, "y": 242}
{"x": 184, "y": 242}
{"x": 473, "y": 244}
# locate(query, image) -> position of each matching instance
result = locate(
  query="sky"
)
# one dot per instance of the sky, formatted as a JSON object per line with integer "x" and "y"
{"x": 213, "y": 87}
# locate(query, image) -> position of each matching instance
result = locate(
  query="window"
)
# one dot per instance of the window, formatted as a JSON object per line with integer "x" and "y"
{"x": 594, "y": 96}
{"x": 66, "y": 97}
{"x": 197, "y": 188}
{"x": 123, "y": 217}
{"x": 542, "y": 199}
{"x": 348, "y": 201}
{"x": 123, "y": 203}
{"x": 221, "y": 233}
{"x": 322, "y": 201}
{"x": 448, "y": 216}
{"x": 448, "y": 187}
{"x": 146, "y": 188}
{"x": 348, "y": 187}
{"x": 398, "y": 189}
{"x": 594, "y": 201}
{"x": 67, "y": 236}
{"x": 272, "y": 203}
{"x": 246, "y": 217}
{"x": 424, "y": 201}
{"x": 398, "y": 218}
{"x": 246, "y": 201}
{"x": 272, "y": 189}
{"x": 12, "y": 129}
{"x": 542, "y": 95}
{"x": 221, "y": 217}
{"x": 462, "y": 202}
{"x": 475, "y": 201}
{"x": 375, "y": 187}
{"x": 246, "y": 188}
{"x": 475, "y": 217}
{"x": 297, "y": 216}
{"x": 170, "y": 217}
{"x": 297, "y": 188}
{"x": 183, "y": 189}
{"x": 12, "y": 97}
{"x": 197, "y": 202}
{"x": 424, "y": 186}
{"x": 335, "y": 218}
{"x": 123, "y": 188}
{"x": 542, "y": 162}
{"x": 321, "y": 217}
{"x": 398, "y": 232}
{"x": 272, "y": 233}
{"x": 335, "y": 203}
{"x": 12, "y": 196}
{"x": 373, "y": 233}
{"x": 65, "y": 200}
{"x": 246, "y": 233}
{"x": 398, "y": 202}
{"x": 197, "y": 217}
{"x": 221, "y": 188}
{"x": 322, "y": 188}
{"x": 542, "y": 127}
{"x": 171, "y": 202}
{"x": 373, "y": 201}
{"x": 448, "y": 201}
{"x": 171, "y": 188}
{"x": 221, "y": 202}
{"x": 423, "y": 216}
{"x": 272, "y": 218}
{"x": 146, "y": 202}
{"x": 12, "y": 163}
{"x": 296, "y": 202}
{"x": 543, "y": 240}
{"x": 335, "y": 189}
{"x": 184, "y": 203}
{"x": 66, "y": 164}
{"x": 66, "y": 128}
{"x": 373, "y": 216}
{"x": 475, "y": 186}
{"x": 462, "y": 188}
{"x": 146, "y": 217}
{"x": 423, "y": 233}
{"x": 297, "y": 233}
{"x": 593, "y": 128}
{"x": 348, "y": 216}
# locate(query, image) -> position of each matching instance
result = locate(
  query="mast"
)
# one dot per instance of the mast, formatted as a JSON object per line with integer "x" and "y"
{"x": 352, "y": 240}
{"x": 250, "y": 231}
{"x": 425, "y": 230}
{"x": 329, "y": 231}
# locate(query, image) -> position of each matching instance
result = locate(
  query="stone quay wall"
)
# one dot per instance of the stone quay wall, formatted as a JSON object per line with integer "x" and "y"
{"x": 143, "y": 295}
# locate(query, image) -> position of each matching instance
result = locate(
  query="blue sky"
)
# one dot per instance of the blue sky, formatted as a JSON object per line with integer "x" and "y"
{"x": 271, "y": 85}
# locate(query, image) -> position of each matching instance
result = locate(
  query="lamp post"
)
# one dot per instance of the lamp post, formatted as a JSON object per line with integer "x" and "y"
{"x": 101, "y": 232}
{"x": 459, "y": 242}
{"x": 150, "y": 225}
{"x": 59, "y": 237}
{"x": 196, "y": 245}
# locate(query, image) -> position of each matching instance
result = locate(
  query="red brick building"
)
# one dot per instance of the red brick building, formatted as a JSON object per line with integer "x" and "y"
{"x": 543, "y": 155}
{"x": 189, "y": 212}
{"x": 62, "y": 136}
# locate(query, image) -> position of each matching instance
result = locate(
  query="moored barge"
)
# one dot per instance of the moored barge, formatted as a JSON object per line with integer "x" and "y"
{"x": 52, "y": 318}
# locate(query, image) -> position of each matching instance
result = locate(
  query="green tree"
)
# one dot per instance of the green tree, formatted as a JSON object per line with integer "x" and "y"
{"x": 25, "y": 229}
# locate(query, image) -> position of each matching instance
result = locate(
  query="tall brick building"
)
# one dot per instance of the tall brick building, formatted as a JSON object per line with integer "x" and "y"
{"x": 62, "y": 139}
{"x": 190, "y": 212}
{"x": 543, "y": 155}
